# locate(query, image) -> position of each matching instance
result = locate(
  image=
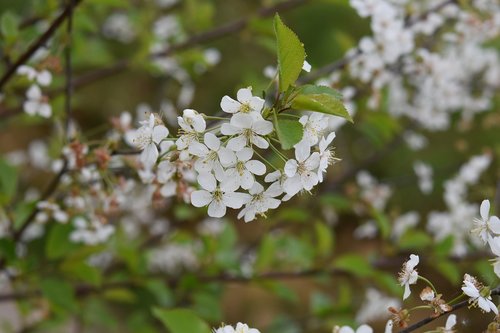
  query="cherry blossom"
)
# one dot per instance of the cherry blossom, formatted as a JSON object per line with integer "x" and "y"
{"x": 217, "y": 197}
{"x": 262, "y": 200}
{"x": 479, "y": 296}
{"x": 43, "y": 77}
{"x": 486, "y": 225}
{"x": 247, "y": 131}
{"x": 36, "y": 103}
{"x": 246, "y": 103}
{"x": 408, "y": 275}
{"x": 241, "y": 172}
{"x": 147, "y": 137}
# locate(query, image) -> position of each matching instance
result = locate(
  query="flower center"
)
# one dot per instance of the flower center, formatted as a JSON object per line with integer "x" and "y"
{"x": 245, "y": 108}
{"x": 217, "y": 195}
{"x": 240, "y": 167}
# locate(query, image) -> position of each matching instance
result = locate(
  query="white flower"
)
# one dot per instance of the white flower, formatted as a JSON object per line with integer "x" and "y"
{"x": 211, "y": 154}
{"x": 191, "y": 124}
{"x": 479, "y": 296}
{"x": 147, "y": 137}
{"x": 36, "y": 103}
{"x": 494, "y": 243}
{"x": 409, "y": 275}
{"x": 301, "y": 172}
{"x": 242, "y": 171}
{"x": 240, "y": 328}
{"x": 246, "y": 103}
{"x": 43, "y": 77}
{"x": 486, "y": 225}
{"x": 450, "y": 323}
{"x": 361, "y": 329}
{"x": 326, "y": 156}
{"x": 217, "y": 197}
{"x": 313, "y": 126}
{"x": 261, "y": 201}
{"x": 248, "y": 131}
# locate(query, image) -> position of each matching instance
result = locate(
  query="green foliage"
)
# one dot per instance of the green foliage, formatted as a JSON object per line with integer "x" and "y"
{"x": 354, "y": 264}
{"x": 289, "y": 132}
{"x": 321, "y": 99}
{"x": 8, "y": 182}
{"x": 291, "y": 54}
{"x": 60, "y": 294}
{"x": 181, "y": 321}
{"x": 9, "y": 23}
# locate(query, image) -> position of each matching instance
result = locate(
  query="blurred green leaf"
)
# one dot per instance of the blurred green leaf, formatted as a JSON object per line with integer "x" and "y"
{"x": 8, "y": 181}
{"x": 415, "y": 239}
{"x": 354, "y": 264}
{"x": 9, "y": 24}
{"x": 449, "y": 270}
{"x": 59, "y": 293}
{"x": 289, "y": 132}
{"x": 181, "y": 321}
{"x": 323, "y": 101}
{"x": 382, "y": 223}
{"x": 324, "y": 239}
{"x": 58, "y": 243}
{"x": 291, "y": 54}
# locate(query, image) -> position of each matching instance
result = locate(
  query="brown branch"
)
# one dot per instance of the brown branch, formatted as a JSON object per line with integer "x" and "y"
{"x": 36, "y": 44}
{"x": 455, "y": 307}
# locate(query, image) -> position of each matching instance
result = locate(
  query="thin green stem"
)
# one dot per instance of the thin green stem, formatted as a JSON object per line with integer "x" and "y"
{"x": 265, "y": 160}
{"x": 420, "y": 307}
{"x": 214, "y": 118}
{"x": 283, "y": 157}
{"x": 428, "y": 282}
{"x": 456, "y": 298}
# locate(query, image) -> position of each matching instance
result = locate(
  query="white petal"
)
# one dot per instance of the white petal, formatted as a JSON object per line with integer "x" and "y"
{"x": 483, "y": 304}
{"x": 207, "y": 181}
{"x": 160, "y": 132}
{"x": 226, "y": 157}
{"x": 199, "y": 124}
{"x": 309, "y": 180}
{"x": 493, "y": 307}
{"x": 44, "y": 78}
{"x": 494, "y": 224}
{"x": 228, "y": 129}
{"x": 241, "y": 120}
{"x": 451, "y": 321}
{"x": 407, "y": 291}
{"x": 313, "y": 161}
{"x": 31, "y": 107}
{"x": 273, "y": 176}
{"x": 216, "y": 209}
{"x": 291, "y": 168}
{"x": 237, "y": 143}
{"x": 229, "y": 105}
{"x": 244, "y": 95}
{"x": 244, "y": 154}
{"x": 485, "y": 209}
{"x": 212, "y": 141}
{"x": 257, "y": 103}
{"x": 45, "y": 110}
{"x": 414, "y": 260}
{"x": 260, "y": 142}
{"x": 235, "y": 199}
{"x": 247, "y": 180}
{"x": 363, "y": 328}
{"x": 149, "y": 155}
{"x": 292, "y": 185}
{"x": 198, "y": 149}
{"x": 34, "y": 92}
{"x": 262, "y": 127}
{"x": 256, "y": 167}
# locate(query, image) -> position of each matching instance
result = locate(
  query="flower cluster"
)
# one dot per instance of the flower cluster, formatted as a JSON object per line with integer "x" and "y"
{"x": 240, "y": 328}
{"x": 227, "y": 160}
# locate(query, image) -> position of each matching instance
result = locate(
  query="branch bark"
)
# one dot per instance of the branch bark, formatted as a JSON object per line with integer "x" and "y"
{"x": 37, "y": 44}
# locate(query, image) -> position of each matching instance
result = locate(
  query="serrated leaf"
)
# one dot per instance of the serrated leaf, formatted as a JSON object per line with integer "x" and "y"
{"x": 354, "y": 264}
{"x": 289, "y": 132}
{"x": 181, "y": 321}
{"x": 291, "y": 54}
{"x": 323, "y": 103}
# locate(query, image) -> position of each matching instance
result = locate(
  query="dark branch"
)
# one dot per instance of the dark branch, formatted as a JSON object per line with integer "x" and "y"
{"x": 455, "y": 307}
{"x": 36, "y": 44}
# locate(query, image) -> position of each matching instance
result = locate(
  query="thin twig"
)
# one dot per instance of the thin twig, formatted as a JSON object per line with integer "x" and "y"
{"x": 36, "y": 45}
{"x": 68, "y": 68}
{"x": 455, "y": 307}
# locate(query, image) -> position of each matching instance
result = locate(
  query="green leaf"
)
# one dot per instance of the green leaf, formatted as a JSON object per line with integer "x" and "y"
{"x": 449, "y": 271}
{"x": 81, "y": 271}
{"x": 9, "y": 25}
{"x": 327, "y": 102}
{"x": 324, "y": 239}
{"x": 58, "y": 243}
{"x": 59, "y": 293}
{"x": 8, "y": 182}
{"x": 382, "y": 222}
{"x": 311, "y": 89}
{"x": 354, "y": 264}
{"x": 181, "y": 321}
{"x": 289, "y": 132}
{"x": 291, "y": 54}
{"x": 415, "y": 239}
